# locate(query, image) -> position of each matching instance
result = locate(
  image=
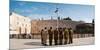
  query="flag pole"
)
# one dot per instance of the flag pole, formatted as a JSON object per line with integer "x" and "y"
{"x": 56, "y": 12}
{"x": 57, "y": 21}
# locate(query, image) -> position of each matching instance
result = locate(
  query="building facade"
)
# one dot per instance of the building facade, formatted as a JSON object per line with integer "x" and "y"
{"x": 19, "y": 25}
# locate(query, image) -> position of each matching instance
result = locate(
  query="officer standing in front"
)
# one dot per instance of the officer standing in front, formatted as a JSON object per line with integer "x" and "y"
{"x": 50, "y": 32}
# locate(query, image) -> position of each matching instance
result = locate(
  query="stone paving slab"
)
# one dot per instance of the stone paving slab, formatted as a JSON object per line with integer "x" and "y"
{"x": 36, "y": 43}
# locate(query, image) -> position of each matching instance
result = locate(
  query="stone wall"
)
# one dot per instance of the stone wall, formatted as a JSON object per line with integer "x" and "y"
{"x": 37, "y": 25}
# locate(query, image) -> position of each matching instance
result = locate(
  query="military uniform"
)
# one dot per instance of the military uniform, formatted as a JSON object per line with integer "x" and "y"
{"x": 44, "y": 37}
{"x": 66, "y": 35}
{"x": 70, "y": 36}
{"x": 55, "y": 36}
{"x": 60, "y": 36}
{"x": 50, "y": 32}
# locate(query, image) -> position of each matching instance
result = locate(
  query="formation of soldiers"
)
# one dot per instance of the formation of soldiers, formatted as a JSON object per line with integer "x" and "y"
{"x": 59, "y": 35}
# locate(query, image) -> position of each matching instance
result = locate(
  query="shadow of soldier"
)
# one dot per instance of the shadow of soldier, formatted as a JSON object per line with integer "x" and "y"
{"x": 33, "y": 43}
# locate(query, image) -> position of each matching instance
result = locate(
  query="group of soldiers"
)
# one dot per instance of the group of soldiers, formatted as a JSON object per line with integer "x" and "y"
{"x": 59, "y": 35}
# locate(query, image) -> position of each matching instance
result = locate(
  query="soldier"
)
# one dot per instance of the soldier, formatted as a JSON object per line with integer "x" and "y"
{"x": 70, "y": 35}
{"x": 56, "y": 36}
{"x": 60, "y": 36}
{"x": 50, "y": 32}
{"x": 66, "y": 35}
{"x": 44, "y": 36}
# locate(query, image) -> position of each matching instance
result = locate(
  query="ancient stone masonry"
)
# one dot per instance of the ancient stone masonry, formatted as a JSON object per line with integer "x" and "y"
{"x": 37, "y": 25}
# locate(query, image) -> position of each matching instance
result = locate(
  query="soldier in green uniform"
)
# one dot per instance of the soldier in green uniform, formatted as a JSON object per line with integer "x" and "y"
{"x": 56, "y": 36}
{"x": 42, "y": 36}
{"x": 66, "y": 35}
{"x": 70, "y": 35}
{"x": 50, "y": 32}
{"x": 60, "y": 36}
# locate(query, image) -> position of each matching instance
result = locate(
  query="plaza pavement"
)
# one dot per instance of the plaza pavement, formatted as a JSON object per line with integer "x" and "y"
{"x": 36, "y": 43}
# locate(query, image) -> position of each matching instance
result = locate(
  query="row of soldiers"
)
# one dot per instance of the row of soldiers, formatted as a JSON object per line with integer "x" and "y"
{"x": 59, "y": 35}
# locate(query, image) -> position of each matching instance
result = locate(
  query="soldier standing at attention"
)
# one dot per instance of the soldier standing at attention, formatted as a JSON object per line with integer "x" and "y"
{"x": 44, "y": 36}
{"x": 70, "y": 35}
{"x": 56, "y": 36}
{"x": 60, "y": 36}
{"x": 66, "y": 35}
{"x": 50, "y": 32}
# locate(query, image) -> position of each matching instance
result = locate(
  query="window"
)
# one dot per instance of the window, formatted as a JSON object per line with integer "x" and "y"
{"x": 17, "y": 23}
{"x": 24, "y": 19}
{"x": 22, "y": 24}
{"x": 26, "y": 25}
